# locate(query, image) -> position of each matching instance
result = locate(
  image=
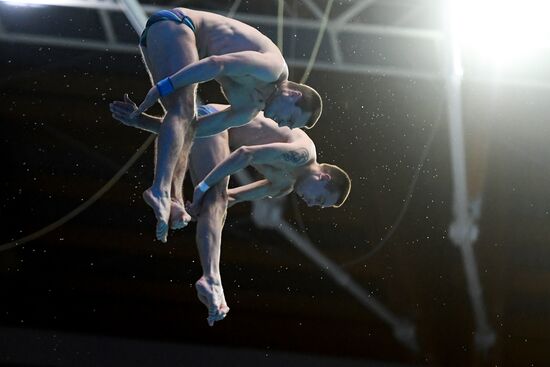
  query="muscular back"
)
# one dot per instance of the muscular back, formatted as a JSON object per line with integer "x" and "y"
{"x": 219, "y": 35}
{"x": 261, "y": 131}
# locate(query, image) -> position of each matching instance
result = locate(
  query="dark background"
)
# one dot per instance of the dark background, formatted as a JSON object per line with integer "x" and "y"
{"x": 103, "y": 274}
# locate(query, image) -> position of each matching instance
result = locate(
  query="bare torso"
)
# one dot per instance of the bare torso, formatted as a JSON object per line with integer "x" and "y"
{"x": 265, "y": 131}
{"x": 219, "y": 35}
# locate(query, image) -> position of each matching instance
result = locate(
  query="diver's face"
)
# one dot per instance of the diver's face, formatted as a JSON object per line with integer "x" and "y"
{"x": 283, "y": 110}
{"x": 313, "y": 192}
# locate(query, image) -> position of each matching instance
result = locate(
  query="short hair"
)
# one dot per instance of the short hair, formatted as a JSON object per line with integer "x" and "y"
{"x": 339, "y": 182}
{"x": 309, "y": 102}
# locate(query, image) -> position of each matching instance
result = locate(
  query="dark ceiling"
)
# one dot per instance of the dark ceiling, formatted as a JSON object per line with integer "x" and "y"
{"x": 103, "y": 274}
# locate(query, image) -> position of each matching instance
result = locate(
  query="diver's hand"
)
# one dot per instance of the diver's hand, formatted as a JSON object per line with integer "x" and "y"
{"x": 150, "y": 99}
{"x": 194, "y": 208}
{"x": 123, "y": 111}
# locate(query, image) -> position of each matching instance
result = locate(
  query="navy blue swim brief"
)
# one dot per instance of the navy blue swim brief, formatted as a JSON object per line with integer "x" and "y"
{"x": 205, "y": 110}
{"x": 174, "y": 15}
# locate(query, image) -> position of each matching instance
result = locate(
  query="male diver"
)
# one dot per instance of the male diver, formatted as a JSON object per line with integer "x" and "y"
{"x": 285, "y": 157}
{"x": 182, "y": 47}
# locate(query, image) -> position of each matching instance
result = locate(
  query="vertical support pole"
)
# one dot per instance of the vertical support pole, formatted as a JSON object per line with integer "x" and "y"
{"x": 463, "y": 231}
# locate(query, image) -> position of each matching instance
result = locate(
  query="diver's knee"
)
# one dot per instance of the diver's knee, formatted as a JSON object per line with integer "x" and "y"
{"x": 215, "y": 201}
{"x": 181, "y": 103}
{"x": 185, "y": 110}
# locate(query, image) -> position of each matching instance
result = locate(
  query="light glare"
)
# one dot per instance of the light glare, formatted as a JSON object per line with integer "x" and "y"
{"x": 24, "y": 3}
{"x": 502, "y": 31}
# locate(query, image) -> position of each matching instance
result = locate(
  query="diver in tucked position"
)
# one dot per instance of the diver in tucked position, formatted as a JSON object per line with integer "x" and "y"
{"x": 182, "y": 47}
{"x": 285, "y": 157}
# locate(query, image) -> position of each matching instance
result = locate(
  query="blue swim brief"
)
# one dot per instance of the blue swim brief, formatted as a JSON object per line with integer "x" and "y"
{"x": 174, "y": 15}
{"x": 205, "y": 109}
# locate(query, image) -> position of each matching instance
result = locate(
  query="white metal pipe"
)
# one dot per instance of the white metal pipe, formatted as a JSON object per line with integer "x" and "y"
{"x": 107, "y": 26}
{"x": 352, "y": 11}
{"x": 135, "y": 13}
{"x": 403, "y": 330}
{"x": 463, "y": 230}
{"x": 314, "y": 8}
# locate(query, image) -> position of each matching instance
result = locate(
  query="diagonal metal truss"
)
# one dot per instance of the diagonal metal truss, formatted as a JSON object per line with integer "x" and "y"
{"x": 267, "y": 213}
{"x": 393, "y": 42}
{"x": 342, "y": 30}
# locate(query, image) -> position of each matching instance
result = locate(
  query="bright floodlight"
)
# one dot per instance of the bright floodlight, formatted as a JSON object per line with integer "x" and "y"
{"x": 30, "y": 3}
{"x": 502, "y": 31}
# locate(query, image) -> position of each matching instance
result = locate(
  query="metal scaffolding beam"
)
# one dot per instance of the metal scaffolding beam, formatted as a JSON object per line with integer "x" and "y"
{"x": 267, "y": 213}
{"x": 463, "y": 231}
{"x": 340, "y": 30}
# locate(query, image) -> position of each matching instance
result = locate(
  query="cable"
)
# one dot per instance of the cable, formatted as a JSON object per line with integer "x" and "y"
{"x": 86, "y": 204}
{"x": 317, "y": 45}
{"x": 234, "y": 9}
{"x": 305, "y": 76}
{"x": 280, "y": 15}
{"x": 409, "y": 195}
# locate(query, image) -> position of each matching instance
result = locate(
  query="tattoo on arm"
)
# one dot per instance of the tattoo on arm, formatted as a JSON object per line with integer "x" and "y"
{"x": 298, "y": 156}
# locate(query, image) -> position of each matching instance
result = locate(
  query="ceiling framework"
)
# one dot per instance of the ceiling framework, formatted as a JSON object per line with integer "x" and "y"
{"x": 395, "y": 38}
{"x": 343, "y": 49}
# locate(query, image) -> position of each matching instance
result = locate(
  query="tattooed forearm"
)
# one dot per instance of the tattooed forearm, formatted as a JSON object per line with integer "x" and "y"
{"x": 298, "y": 156}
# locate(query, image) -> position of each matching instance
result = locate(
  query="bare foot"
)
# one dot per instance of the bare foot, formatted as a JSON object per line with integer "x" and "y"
{"x": 161, "y": 206}
{"x": 210, "y": 293}
{"x": 178, "y": 216}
